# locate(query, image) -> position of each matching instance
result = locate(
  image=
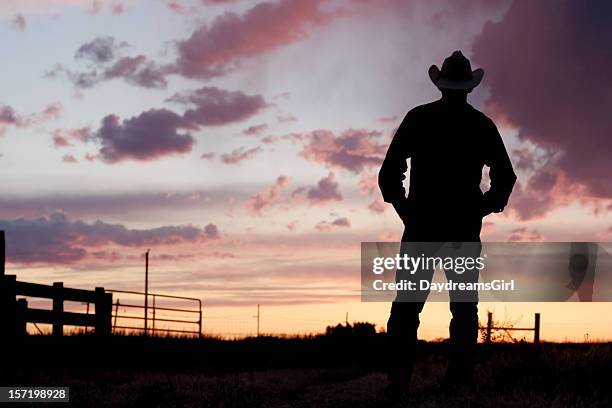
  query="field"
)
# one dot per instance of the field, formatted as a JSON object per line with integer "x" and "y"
{"x": 132, "y": 371}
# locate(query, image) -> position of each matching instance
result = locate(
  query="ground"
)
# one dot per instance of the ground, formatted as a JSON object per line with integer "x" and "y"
{"x": 314, "y": 372}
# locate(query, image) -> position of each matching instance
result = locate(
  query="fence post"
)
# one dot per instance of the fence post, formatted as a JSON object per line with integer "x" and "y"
{"x": 2, "y": 254}
{"x": 58, "y": 309}
{"x": 536, "y": 329}
{"x": 489, "y": 327}
{"x": 104, "y": 309}
{"x": 116, "y": 314}
{"x": 8, "y": 303}
{"x": 200, "y": 321}
{"x": 21, "y": 327}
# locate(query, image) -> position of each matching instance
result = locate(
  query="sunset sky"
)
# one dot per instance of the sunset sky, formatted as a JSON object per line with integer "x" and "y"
{"x": 240, "y": 141}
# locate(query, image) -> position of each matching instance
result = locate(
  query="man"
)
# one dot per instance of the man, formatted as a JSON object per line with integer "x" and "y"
{"x": 448, "y": 143}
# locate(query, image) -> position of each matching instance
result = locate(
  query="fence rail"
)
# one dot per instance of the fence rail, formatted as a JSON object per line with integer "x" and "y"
{"x": 181, "y": 314}
{"x": 490, "y": 328}
{"x": 17, "y": 314}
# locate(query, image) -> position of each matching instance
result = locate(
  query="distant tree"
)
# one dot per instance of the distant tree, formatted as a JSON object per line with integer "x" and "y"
{"x": 361, "y": 329}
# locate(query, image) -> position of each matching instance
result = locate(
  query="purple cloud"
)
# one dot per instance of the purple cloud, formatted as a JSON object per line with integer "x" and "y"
{"x": 58, "y": 240}
{"x": 149, "y": 136}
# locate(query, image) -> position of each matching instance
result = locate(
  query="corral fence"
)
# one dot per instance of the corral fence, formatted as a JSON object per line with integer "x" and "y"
{"x": 16, "y": 314}
{"x": 175, "y": 314}
{"x": 164, "y": 314}
{"x": 490, "y": 328}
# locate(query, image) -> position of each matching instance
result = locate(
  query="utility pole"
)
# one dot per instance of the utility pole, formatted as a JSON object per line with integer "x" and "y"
{"x": 257, "y": 320}
{"x": 146, "y": 305}
{"x": 346, "y": 319}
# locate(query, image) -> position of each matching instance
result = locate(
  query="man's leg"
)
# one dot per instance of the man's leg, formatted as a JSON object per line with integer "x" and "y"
{"x": 463, "y": 338}
{"x": 464, "y": 323}
{"x": 404, "y": 318}
{"x": 402, "y": 337}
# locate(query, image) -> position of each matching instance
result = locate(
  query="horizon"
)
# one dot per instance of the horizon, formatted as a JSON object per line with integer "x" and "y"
{"x": 237, "y": 143}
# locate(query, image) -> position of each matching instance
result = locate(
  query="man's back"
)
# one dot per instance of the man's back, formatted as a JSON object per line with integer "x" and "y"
{"x": 448, "y": 143}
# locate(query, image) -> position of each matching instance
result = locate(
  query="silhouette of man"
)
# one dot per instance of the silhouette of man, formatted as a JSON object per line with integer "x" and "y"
{"x": 448, "y": 142}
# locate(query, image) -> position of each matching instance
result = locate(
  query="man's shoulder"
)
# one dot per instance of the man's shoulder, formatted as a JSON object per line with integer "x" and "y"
{"x": 433, "y": 110}
{"x": 479, "y": 114}
{"x": 424, "y": 108}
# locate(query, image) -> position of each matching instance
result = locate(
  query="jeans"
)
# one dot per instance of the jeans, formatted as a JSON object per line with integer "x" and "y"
{"x": 404, "y": 318}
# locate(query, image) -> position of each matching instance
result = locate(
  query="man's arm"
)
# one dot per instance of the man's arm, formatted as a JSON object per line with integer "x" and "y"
{"x": 392, "y": 172}
{"x": 500, "y": 172}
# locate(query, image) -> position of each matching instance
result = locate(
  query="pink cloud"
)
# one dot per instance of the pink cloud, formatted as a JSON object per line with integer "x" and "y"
{"x": 9, "y": 117}
{"x": 213, "y": 106}
{"x": 326, "y": 226}
{"x": 352, "y": 150}
{"x": 257, "y": 203}
{"x": 69, "y": 159}
{"x": 255, "y": 130}
{"x": 377, "y": 206}
{"x": 219, "y": 47}
{"x": 327, "y": 189}
{"x": 65, "y": 137}
{"x": 368, "y": 184}
{"x": 523, "y": 234}
{"x": 543, "y": 192}
{"x": 239, "y": 155}
{"x": 176, "y": 6}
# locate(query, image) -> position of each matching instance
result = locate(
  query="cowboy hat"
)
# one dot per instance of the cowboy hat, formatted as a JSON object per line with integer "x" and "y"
{"x": 456, "y": 73}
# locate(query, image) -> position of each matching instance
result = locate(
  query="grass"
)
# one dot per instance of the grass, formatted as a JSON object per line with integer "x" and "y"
{"x": 132, "y": 371}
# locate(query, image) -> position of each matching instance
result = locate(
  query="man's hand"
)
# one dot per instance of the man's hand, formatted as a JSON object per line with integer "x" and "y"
{"x": 488, "y": 208}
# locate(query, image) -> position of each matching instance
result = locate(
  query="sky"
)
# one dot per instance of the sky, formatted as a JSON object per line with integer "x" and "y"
{"x": 240, "y": 141}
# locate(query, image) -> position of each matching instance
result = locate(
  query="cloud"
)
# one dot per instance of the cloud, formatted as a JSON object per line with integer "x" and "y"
{"x": 160, "y": 132}
{"x": 326, "y": 226}
{"x": 263, "y": 200}
{"x": 105, "y": 63}
{"x": 9, "y": 117}
{"x": 117, "y": 8}
{"x": 215, "y": 2}
{"x": 176, "y": 6}
{"x": 352, "y": 150}
{"x": 151, "y": 135}
{"x": 219, "y": 47}
{"x": 239, "y": 155}
{"x": 523, "y": 234}
{"x": 137, "y": 70}
{"x": 255, "y": 130}
{"x": 327, "y": 189}
{"x": 213, "y": 106}
{"x": 208, "y": 156}
{"x": 546, "y": 190}
{"x": 113, "y": 204}
{"x": 58, "y": 240}
{"x": 66, "y": 137}
{"x": 19, "y": 23}
{"x": 69, "y": 159}
{"x": 547, "y": 66}
{"x": 377, "y": 206}
{"x": 368, "y": 184}
{"x": 100, "y": 50}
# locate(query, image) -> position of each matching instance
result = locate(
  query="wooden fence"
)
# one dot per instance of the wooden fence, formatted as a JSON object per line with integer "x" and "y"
{"x": 490, "y": 328}
{"x": 15, "y": 313}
